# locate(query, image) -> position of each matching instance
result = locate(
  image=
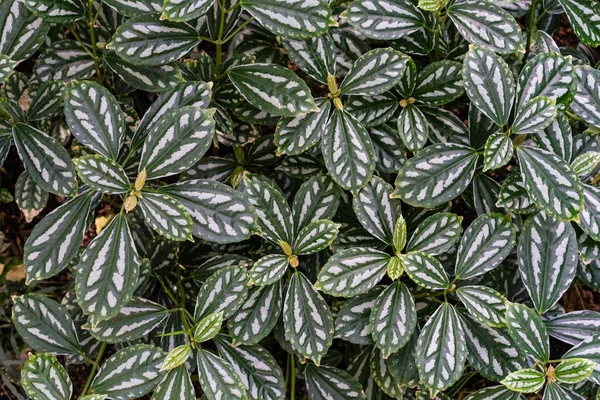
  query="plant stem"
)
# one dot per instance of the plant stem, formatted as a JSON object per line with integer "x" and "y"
{"x": 78, "y": 38}
{"x": 531, "y": 25}
{"x": 220, "y": 36}
{"x": 293, "y": 373}
{"x": 95, "y": 367}
{"x": 91, "y": 23}
{"x": 438, "y": 29}
{"x": 239, "y": 28}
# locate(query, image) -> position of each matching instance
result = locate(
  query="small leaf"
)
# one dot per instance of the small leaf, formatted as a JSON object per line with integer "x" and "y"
{"x": 63, "y": 60}
{"x": 174, "y": 10}
{"x": 294, "y": 136}
{"x": 585, "y": 163}
{"x": 177, "y": 382}
{"x": 574, "y": 370}
{"x": 589, "y": 350}
{"x": 352, "y": 323}
{"x": 514, "y": 197}
{"x": 547, "y": 74}
{"x": 498, "y": 151}
{"x": 208, "y": 327}
{"x": 385, "y": 20}
{"x": 436, "y": 234}
{"x": 43, "y": 377}
{"x": 225, "y": 291}
{"x": 375, "y": 211}
{"x": 425, "y": 270}
{"x": 46, "y": 101}
{"x": 483, "y": 303}
{"x": 534, "y": 116}
{"x": 399, "y": 237}
{"x": 375, "y": 72}
{"x": 329, "y": 383}
{"x": 176, "y": 357}
{"x": 315, "y": 56}
{"x": 30, "y": 197}
{"x": 59, "y": 11}
{"x": 316, "y": 236}
{"x": 166, "y": 216}
{"x": 6, "y": 67}
{"x": 584, "y": 18}
{"x": 586, "y": 103}
{"x": 268, "y": 269}
{"x": 527, "y": 330}
{"x": 318, "y": 198}
{"x": 528, "y": 380}
{"x": 372, "y": 111}
{"x": 413, "y": 128}
{"x": 439, "y": 83}
{"x": 102, "y": 174}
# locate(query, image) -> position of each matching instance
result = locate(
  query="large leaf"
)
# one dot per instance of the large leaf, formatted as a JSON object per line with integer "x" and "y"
{"x": 486, "y": 24}
{"x": 225, "y": 291}
{"x": 375, "y": 211}
{"x": 436, "y": 175}
{"x": 489, "y": 83}
{"x": 551, "y": 183}
{"x": 494, "y": 392}
{"x": 547, "y": 74}
{"x": 306, "y": 319}
{"x": 294, "y": 136}
{"x": 547, "y": 259}
{"x": 102, "y": 174}
{"x": 63, "y": 60}
{"x": 485, "y": 244}
{"x": 441, "y": 350}
{"x": 385, "y": 19}
{"x": 555, "y": 391}
{"x": 425, "y": 270}
{"x": 436, "y": 234}
{"x": 218, "y": 378}
{"x": 439, "y": 83}
{"x": 22, "y": 31}
{"x": 586, "y": 103}
{"x": 59, "y": 11}
{"x": 574, "y": 327}
{"x": 166, "y": 216}
{"x": 413, "y": 128}
{"x": 46, "y": 161}
{"x": 484, "y": 303}
{"x": 273, "y": 89}
{"x": 132, "y": 8}
{"x": 291, "y": 18}
{"x": 584, "y": 16}
{"x": 315, "y": 56}
{"x": 45, "y": 325}
{"x": 330, "y": 383}
{"x": 43, "y": 377}
{"x": 107, "y": 274}
{"x": 528, "y": 331}
{"x": 375, "y": 72}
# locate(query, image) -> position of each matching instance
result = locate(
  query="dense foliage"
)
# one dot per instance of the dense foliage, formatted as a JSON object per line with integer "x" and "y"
{"x": 270, "y": 199}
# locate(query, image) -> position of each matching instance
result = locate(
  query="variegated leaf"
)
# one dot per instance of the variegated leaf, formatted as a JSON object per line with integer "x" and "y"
{"x": 436, "y": 235}
{"x": 6, "y": 67}
{"x": 102, "y": 174}
{"x": 584, "y": 164}
{"x": 557, "y": 137}
{"x": 372, "y": 110}
{"x": 330, "y": 383}
{"x": 375, "y": 211}
{"x": 218, "y": 378}
{"x": 22, "y": 31}
{"x": 584, "y": 16}
{"x": 177, "y": 382}
{"x": 315, "y": 56}
{"x": 485, "y": 244}
{"x": 57, "y": 11}
{"x": 574, "y": 370}
{"x": 177, "y": 10}
{"x": 268, "y": 269}
{"x": 425, "y": 270}
{"x": 413, "y": 128}
{"x": 439, "y": 83}
{"x": 208, "y": 327}
{"x": 316, "y": 236}
{"x": 574, "y": 327}
{"x": 375, "y": 72}
{"x": 514, "y": 197}
{"x": 498, "y": 151}
{"x": 352, "y": 322}
{"x": 436, "y": 175}
{"x": 30, "y": 197}
{"x": 527, "y": 330}
{"x": 534, "y": 116}
{"x": 132, "y": 8}
{"x": 484, "y": 303}
{"x": 555, "y": 391}
{"x": 528, "y": 380}
{"x": 390, "y": 153}
{"x": 547, "y": 74}
{"x": 225, "y": 291}
{"x": 63, "y": 60}
{"x": 176, "y": 357}
{"x": 586, "y": 103}
{"x": 352, "y": 271}
{"x": 43, "y": 377}
{"x": 382, "y": 375}
{"x": 318, "y": 198}
{"x": 494, "y": 393}
{"x": 306, "y": 319}
{"x": 588, "y": 349}
{"x": 295, "y": 135}
{"x": 385, "y": 19}
{"x": 46, "y": 100}
{"x": 589, "y": 219}
{"x": 445, "y": 126}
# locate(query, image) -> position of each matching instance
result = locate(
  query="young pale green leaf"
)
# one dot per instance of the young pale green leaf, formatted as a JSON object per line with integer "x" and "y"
{"x": 527, "y": 330}
{"x": 259, "y": 372}
{"x": 528, "y": 380}
{"x": 486, "y": 24}
{"x": 574, "y": 370}
{"x": 484, "y": 303}
{"x": 176, "y": 357}
{"x": 208, "y": 327}
{"x": 176, "y": 383}
{"x": 425, "y": 270}
{"x": 575, "y": 326}
{"x": 399, "y": 237}
{"x": 129, "y": 373}
{"x": 95, "y": 118}
{"x": 375, "y": 211}
{"x": 174, "y": 10}
{"x": 352, "y": 323}
{"x": 225, "y": 291}
{"x": 514, "y": 197}
{"x": 547, "y": 74}
{"x": 294, "y": 136}
{"x": 166, "y": 216}
{"x": 348, "y": 151}
{"x": 588, "y": 349}
{"x": 307, "y": 320}
{"x": 136, "y": 319}
{"x": 57, "y": 11}
{"x": 535, "y": 115}
{"x": 63, "y": 60}
{"x": 330, "y": 383}
{"x": 441, "y": 350}
{"x": 372, "y": 111}
{"x": 219, "y": 213}
{"x": 102, "y": 174}
{"x": 45, "y": 325}
{"x": 494, "y": 392}
{"x": 387, "y": 19}
{"x": 436, "y": 175}
{"x": 46, "y": 100}
{"x": 273, "y": 89}
{"x": 268, "y": 269}
{"x": 498, "y": 151}
{"x": 316, "y": 236}
{"x": 586, "y": 103}
{"x": 291, "y": 18}
{"x": 551, "y": 183}
{"x": 352, "y": 271}
{"x": 257, "y": 316}
{"x": 485, "y": 244}
{"x": 218, "y": 378}
{"x": 30, "y": 197}
{"x": 108, "y": 271}
{"x": 43, "y": 377}
{"x": 584, "y": 16}
{"x": 393, "y": 318}
{"x": 413, "y": 128}
{"x": 439, "y": 83}
{"x": 318, "y": 198}
{"x": 547, "y": 259}
{"x": 375, "y": 72}
{"x": 437, "y": 234}
{"x": 22, "y": 31}
{"x": 315, "y": 56}
{"x": 585, "y": 164}
{"x": 147, "y": 40}
{"x": 489, "y": 83}
{"x": 46, "y": 161}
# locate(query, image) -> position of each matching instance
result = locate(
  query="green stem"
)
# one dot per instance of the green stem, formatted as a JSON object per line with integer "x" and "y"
{"x": 219, "y": 45}
{"x": 239, "y": 28}
{"x": 438, "y": 29}
{"x": 531, "y": 25}
{"x": 78, "y": 38}
{"x": 95, "y": 367}
{"x": 293, "y": 372}
{"x": 91, "y": 23}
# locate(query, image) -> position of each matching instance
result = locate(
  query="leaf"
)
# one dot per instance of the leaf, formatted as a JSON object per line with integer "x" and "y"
{"x": 318, "y": 198}
{"x": 130, "y": 372}
{"x": 399, "y": 237}
{"x": 575, "y": 326}
{"x": 294, "y": 136}
{"x": 46, "y": 161}
{"x": 425, "y": 270}
{"x": 44, "y": 377}
{"x": 22, "y": 31}
{"x": 551, "y": 183}
{"x": 555, "y": 391}
{"x": 586, "y": 103}
{"x": 65, "y": 226}
{"x": 273, "y": 89}
{"x": 557, "y": 138}
{"x": 375, "y": 211}
{"x": 528, "y": 380}
{"x": 208, "y": 327}
{"x": 534, "y": 116}
{"x": 388, "y": 19}
{"x": 306, "y": 319}
{"x": 441, "y": 350}
{"x": 527, "y": 330}
{"x": 59, "y": 11}
{"x": 102, "y": 174}
{"x": 375, "y": 72}
{"x": 176, "y": 357}
{"x": 485, "y": 244}
{"x": 499, "y": 392}
{"x": 488, "y": 81}
{"x": 352, "y": 271}
{"x": 413, "y": 128}
{"x": 256, "y": 367}
{"x": 95, "y": 118}
{"x": 484, "y": 303}
{"x": 174, "y": 10}
{"x": 218, "y": 378}
{"x": 177, "y": 141}
{"x": 255, "y": 319}
{"x": 6, "y": 67}
{"x": 436, "y": 175}
{"x": 108, "y": 271}
{"x": 372, "y": 110}
{"x": 393, "y": 318}
{"x": 268, "y": 269}
{"x": 348, "y": 151}
{"x": 574, "y": 370}
{"x": 382, "y": 375}
{"x": 584, "y": 18}
{"x": 147, "y": 40}
{"x": 132, "y": 8}
{"x": 587, "y": 349}
{"x": 166, "y": 216}
{"x": 585, "y": 164}
{"x": 547, "y": 259}
{"x": 486, "y": 24}
{"x": 498, "y": 151}
{"x": 46, "y": 101}
{"x": 436, "y": 235}
{"x": 352, "y": 323}
{"x": 135, "y": 320}
{"x": 316, "y": 236}
{"x": 219, "y": 213}
{"x": 177, "y": 382}
{"x": 315, "y": 56}
{"x": 439, "y": 83}
{"x": 513, "y": 195}
{"x": 330, "y": 383}
{"x": 45, "y": 325}
{"x": 63, "y": 60}
{"x": 30, "y": 197}
{"x": 225, "y": 291}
